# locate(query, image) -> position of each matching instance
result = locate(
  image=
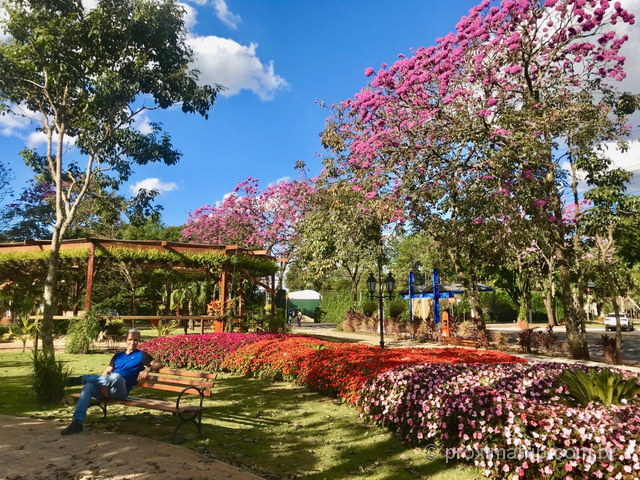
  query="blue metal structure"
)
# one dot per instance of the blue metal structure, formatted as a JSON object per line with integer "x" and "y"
{"x": 436, "y": 296}
{"x": 436, "y": 291}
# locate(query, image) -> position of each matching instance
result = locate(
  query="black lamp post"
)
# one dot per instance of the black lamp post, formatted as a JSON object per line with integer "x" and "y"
{"x": 390, "y": 284}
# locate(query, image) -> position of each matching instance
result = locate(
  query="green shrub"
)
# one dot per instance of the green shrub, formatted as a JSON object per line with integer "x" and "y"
{"x": 335, "y": 304}
{"x": 278, "y": 322}
{"x": 397, "y": 307}
{"x": 48, "y": 378}
{"x": 369, "y": 307}
{"x": 165, "y": 327}
{"x": 605, "y": 386}
{"x": 116, "y": 329}
{"x": 24, "y": 329}
{"x": 82, "y": 333}
{"x": 61, "y": 327}
{"x": 5, "y": 333}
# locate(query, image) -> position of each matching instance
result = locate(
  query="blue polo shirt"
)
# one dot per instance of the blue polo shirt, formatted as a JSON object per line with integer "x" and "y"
{"x": 129, "y": 366}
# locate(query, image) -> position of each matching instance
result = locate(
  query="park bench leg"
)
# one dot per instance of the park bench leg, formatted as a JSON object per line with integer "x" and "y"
{"x": 196, "y": 420}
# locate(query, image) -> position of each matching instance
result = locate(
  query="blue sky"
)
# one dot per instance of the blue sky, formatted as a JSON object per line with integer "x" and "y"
{"x": 277, "y": 57}
{"x": 268, "y": 119}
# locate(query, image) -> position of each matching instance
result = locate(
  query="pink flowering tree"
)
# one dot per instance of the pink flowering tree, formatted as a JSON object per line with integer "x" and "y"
{"x": 470, "y": 132}
{"x": 253, "y": 218}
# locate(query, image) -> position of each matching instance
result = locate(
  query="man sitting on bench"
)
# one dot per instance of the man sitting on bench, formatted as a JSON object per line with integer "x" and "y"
{"x": 117, "y": 380}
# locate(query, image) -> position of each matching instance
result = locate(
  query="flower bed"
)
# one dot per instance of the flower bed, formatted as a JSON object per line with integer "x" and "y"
{"x": 510, "y": 420}
{"x": 341, "y": 368}
{"x": 200, "y": 352}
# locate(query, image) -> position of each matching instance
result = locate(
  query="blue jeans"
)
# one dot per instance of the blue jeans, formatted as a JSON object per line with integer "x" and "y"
{"x": 91, "y": 389}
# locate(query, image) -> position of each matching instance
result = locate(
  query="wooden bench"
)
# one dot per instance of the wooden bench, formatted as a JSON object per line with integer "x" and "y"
{"x": 461, "y": 342}
{"x": 183, "y": 382}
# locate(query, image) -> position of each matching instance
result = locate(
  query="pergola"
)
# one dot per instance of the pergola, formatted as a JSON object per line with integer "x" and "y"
{"x": 216, "y": 261}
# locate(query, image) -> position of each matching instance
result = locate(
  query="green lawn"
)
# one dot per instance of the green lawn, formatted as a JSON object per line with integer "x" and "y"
{"x": 278, "y": 430}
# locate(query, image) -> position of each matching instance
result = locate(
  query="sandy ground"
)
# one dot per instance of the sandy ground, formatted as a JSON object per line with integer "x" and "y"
{"x": 33, "y": 449}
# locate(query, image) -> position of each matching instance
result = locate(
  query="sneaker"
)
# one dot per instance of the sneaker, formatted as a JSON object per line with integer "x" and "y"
{"x": 74, "y": 427}
{"x": 73, "y": 381}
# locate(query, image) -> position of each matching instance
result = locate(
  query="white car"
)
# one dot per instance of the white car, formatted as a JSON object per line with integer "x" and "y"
{"x": 625, "y": 322}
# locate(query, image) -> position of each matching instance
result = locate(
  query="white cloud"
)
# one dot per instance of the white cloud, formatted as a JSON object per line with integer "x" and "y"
{"x": 11, "y": 124}
{"x": 89, "y": 4}
{"x": 237, "y": 67}
{"x": 3, "y": 18}
{"x": 153, "y": 184}
{"x": 189, "y": 15}
{"x": 630, "y": 161}
{"x": 38, "y": 138}
{"x": 281, "y": 179}
{"x": 223, "y": 13}
{"x": 142, "y": 123}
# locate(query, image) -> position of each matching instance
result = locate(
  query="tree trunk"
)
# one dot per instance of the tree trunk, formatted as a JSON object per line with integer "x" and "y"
{"x": 472, "y": 295}
{"x": 574, "y": 323}
{"x": 549, "y": 294}
{"x": 616, "y": 310}
{"x": 548, "y": 305}
{"x": 50, "y": 288}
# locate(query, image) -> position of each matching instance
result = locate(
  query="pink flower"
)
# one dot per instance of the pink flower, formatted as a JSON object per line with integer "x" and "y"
{"x": 368, "y": 71}
{"x": 491, "y": 102}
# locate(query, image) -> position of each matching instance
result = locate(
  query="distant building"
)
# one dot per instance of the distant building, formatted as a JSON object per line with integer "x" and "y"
{"x": 305, "y": 300}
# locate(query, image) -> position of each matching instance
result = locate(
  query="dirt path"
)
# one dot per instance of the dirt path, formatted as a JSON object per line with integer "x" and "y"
{"x": 34, "y": 449}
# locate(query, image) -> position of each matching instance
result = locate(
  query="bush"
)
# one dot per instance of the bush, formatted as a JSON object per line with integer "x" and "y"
{"x": 467, "y": 329}
{"x": 61, "y": 327}
{"x": 527, "y": 340}
{"x": 547, "y": 339}
{"x": 24, "y": 329}
{"x": 335, "y": 305}
{"x": 397, "y": 307}
{"x": 5, "y": 333}
{"x": 604, "y": 386}
{"x": 48, "y": 378}
{"x": 369, "y": 307}
{"x": 115, "y": 330}
{"x": 82, "y": 333}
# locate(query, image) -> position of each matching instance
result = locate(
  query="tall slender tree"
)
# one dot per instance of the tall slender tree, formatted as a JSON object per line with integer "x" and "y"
{"x": 84, "y": 76}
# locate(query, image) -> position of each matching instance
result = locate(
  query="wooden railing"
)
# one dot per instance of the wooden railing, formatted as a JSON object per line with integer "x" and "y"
{"x": 132, "y": 319}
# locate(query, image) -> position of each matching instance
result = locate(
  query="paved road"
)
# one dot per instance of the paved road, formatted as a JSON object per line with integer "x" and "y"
{"x": 630, "y": 340}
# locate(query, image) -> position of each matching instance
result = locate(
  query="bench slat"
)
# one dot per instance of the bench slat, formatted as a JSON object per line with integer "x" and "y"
{"x": 203, "y": 383}
{"x": 172, "y": 388}
{"x": 186, "y": 373}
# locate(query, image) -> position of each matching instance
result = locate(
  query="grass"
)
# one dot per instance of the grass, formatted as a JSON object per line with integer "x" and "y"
{"x": 278, "y": 430}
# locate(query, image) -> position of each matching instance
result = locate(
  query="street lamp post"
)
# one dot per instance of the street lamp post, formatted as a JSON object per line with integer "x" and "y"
{"x": 390, "y": 284}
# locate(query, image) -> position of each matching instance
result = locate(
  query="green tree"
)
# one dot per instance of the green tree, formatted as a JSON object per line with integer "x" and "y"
{"x": 610, "y": 206}
{"x": 87, "y": 75}
{"x": 335, "y": 235}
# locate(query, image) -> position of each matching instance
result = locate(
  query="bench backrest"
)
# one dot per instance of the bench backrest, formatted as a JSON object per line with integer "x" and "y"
{"x": 177, "y": 380}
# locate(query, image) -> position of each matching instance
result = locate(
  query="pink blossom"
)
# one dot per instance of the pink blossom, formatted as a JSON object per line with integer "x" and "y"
{"x": 368, "y": 71}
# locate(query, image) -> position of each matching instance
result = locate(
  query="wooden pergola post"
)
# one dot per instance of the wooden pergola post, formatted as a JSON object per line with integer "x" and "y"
{"x": 273, "y": 299}
{"x": 89, "y": 288}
